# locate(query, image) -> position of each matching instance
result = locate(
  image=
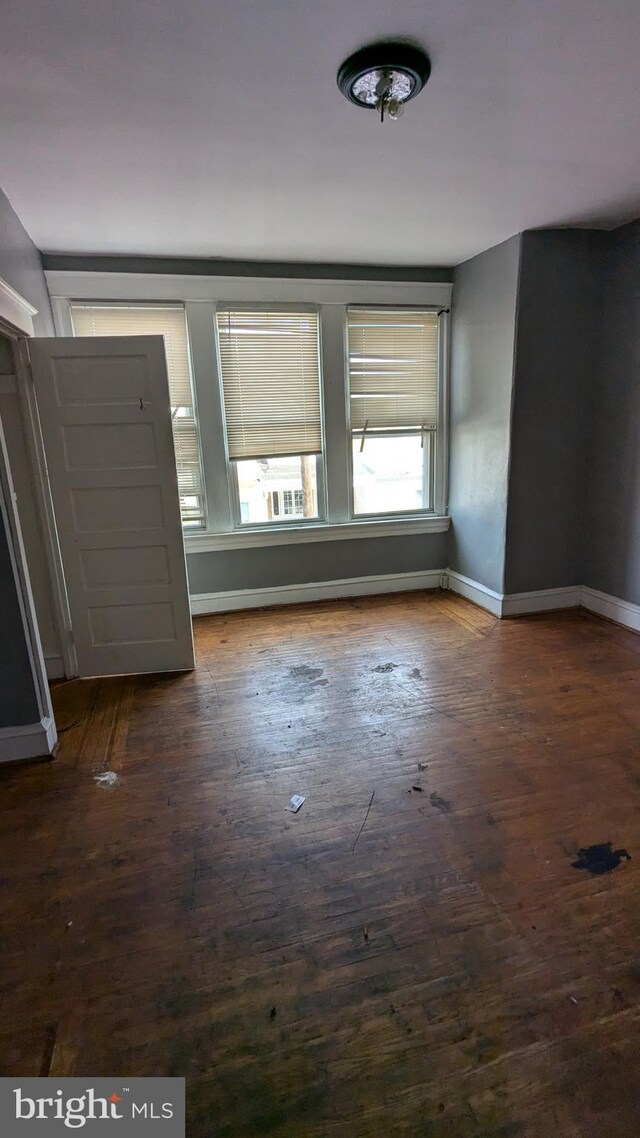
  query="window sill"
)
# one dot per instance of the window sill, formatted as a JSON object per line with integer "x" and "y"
{"x": 320, "y": 531}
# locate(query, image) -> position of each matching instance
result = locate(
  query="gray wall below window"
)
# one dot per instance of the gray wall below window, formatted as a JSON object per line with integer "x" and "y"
{"x": 482, "y": 356}
{"x": 273, "y": 566}
{"x": 612, "y": 561}
{"x": 559, "y": 325}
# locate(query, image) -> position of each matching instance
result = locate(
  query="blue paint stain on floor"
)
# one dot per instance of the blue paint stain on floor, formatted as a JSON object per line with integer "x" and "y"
{"x": 600, "y": 858}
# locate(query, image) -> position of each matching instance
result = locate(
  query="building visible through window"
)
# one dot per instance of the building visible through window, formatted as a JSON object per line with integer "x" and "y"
{"x": 272, "y": 489}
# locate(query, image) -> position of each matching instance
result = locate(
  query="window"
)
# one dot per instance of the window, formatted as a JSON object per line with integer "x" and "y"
{"x": 292, "y": 502}
{"x": 393, "y": 398}
{"x": 271, "y": 389}
{"x": 308, "y": 413}
{"x": 270, "y": 488}
{"x": 391, "y": 474}
{"x": 168, "y": 321}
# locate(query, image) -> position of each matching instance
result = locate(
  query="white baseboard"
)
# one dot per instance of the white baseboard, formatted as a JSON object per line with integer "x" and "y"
{"x": 623, "y": 612}
{"x": 55, "y": 667}
{"x": 31, "y": 741}
{"x": 314, "y": 591}
{"x": 546, "y": 600}
{"x": 500, "y": 604}
{"x": 474, "y": 591}
{"x": 542, "y": 600}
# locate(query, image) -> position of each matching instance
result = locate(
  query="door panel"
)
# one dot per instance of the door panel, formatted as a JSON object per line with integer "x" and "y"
{"x": 104, "y": 568}
{"x": 104, "y": 508}
{"x": 106, "y": 424}
{"x": 116, "y": 445}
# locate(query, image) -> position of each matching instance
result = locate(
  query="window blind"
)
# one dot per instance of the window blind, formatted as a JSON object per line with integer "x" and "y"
{"x": 393, "y": 369}
{"x": 168, "y": 321}
{"x": 271, "y": 382}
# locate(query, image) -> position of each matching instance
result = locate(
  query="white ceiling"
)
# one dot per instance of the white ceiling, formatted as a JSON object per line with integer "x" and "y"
{"x": 215, "y": 127}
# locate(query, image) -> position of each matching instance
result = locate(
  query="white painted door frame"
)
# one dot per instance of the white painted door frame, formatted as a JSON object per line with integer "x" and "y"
{"x": 32, "y": 740}
{"x": 38, "y": 738}
{"x": 16, "y": 323}
{"x": 44, "y": 503}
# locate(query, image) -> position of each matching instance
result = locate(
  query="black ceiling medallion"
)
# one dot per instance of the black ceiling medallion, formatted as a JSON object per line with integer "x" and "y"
{"x": 384, "y": 76}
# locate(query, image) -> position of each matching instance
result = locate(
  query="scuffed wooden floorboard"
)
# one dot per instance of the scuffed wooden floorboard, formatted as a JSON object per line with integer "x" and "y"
{"x": 448, "y": 973}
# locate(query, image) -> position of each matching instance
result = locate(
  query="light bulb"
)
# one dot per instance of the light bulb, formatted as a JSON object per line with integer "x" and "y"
{"x": 395, "y": 109}
{"x": 383, "y": 86}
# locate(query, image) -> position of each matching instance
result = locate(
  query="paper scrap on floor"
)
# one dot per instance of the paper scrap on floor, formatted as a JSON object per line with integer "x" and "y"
{"x": 295, "y": 803}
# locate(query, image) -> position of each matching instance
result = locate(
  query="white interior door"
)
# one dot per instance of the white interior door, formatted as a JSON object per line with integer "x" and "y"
{"x": 104, "y": 412}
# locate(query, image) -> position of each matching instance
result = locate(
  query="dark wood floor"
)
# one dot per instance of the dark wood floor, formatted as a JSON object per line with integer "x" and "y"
{"x": 441, "y": 970}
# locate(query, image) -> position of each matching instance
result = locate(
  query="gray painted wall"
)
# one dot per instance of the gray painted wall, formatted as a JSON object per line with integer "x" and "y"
{"x": 482, "y": 356}
{"x": 612, "y": 561}
{"x": 21, "y": 266}
{"x": 557, "y": 339}
{"x": 269, "y": 567}
{"x": 214, "y": 267}
{"x": 545, "y": 420}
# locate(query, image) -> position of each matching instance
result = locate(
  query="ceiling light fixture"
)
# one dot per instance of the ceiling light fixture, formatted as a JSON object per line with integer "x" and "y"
{"x": 384, "y": 76}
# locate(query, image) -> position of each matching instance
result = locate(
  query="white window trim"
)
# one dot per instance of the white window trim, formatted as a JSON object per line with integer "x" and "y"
{"x": 253, "y": 537}
{"x": 200, "y": 294}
